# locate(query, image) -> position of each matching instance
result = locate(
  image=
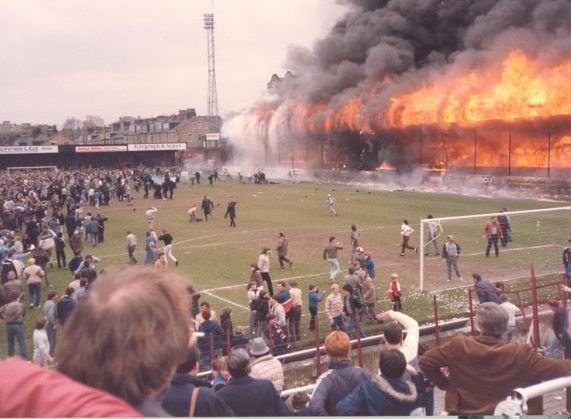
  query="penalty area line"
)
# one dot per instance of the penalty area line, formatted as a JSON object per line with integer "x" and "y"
{"x": 226, "y": 300}
{"x": 228, "y": 287}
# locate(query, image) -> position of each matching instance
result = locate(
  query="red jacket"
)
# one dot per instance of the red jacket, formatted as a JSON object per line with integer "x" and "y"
{"x": 28, "y": 390}
{"x": 488, "y": 229}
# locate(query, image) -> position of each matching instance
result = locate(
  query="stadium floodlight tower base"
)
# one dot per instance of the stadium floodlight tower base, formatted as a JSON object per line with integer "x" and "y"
{"x": 29, "y": 168}
{"x": 540, "y": 230}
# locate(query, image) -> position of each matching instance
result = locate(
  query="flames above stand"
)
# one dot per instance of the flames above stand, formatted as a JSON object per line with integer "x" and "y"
{"x": 514, "y": 112}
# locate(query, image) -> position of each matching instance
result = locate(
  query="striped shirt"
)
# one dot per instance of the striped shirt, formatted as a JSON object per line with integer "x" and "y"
{"x": 333, "y": 306}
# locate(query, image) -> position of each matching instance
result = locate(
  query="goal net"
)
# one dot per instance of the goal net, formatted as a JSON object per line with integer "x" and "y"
{"x": 12, "y": 170}
{"x": 523, "y": 238}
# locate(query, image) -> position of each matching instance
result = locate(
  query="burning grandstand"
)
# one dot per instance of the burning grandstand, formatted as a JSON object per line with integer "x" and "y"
{"x": 467, "y": 86}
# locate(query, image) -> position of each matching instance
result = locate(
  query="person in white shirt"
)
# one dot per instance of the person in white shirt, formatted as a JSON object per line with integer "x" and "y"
{"x": 406, "y": 231}
{"x": 131, "y": 246}
{"x": 264, "y": 265}
{"x": 434, "y": 231}
{"x": 41, "y": 355}
{"x": 331, "y": 205}
{"x": 150, "y": 214}
{"x": 512, "y": 310}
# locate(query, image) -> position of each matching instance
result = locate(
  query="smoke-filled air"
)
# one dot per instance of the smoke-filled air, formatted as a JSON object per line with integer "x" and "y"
{"x": 422, "y": 82}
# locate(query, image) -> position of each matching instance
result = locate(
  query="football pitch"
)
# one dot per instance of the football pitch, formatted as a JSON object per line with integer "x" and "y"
{"x": 216, "y": 257}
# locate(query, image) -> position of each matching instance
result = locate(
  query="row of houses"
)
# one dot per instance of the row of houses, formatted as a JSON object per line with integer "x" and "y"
{"x": 201, "y": 134}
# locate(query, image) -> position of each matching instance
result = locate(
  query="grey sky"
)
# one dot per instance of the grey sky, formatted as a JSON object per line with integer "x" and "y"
{"x": 110, "y": 58}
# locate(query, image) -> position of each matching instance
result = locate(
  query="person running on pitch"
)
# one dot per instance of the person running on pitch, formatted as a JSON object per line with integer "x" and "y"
{"x": 331, "y": 205}
{"x": 167, "y": 239}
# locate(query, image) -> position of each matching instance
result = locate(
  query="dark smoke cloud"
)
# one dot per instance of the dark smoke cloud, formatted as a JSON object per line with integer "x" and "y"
{"x": 378, "y": 38}
{"x": 408, "y": 41}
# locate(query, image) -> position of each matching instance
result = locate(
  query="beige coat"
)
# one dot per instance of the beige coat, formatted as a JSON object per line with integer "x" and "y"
{"x": 268, "y": 368}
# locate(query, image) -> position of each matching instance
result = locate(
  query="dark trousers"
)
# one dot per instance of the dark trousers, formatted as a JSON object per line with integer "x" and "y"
{"x": 266, "y": 277}
{"x": 494, "y": 240}
{"x": 283, "y": 259}
{"x": 34, "y": 293}
{"x": 15, "y": 331}
{"x": 313, "y": 313}
{"x": 60, "y": 257}
{"x": 131, "y": 250}
{"x": 232, "y": 223}
{"x": 396, "y": 304}
{"x": 51, "y": 331}
{"x": 405, "y": 244}
{"x": 338, "y": 323}
{"x": 294, "y": 322}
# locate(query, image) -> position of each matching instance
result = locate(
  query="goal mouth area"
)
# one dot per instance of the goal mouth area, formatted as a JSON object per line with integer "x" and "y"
{"x": 536, "y": 237}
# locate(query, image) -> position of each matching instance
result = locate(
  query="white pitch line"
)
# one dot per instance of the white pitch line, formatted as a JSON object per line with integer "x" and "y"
{"x": 516, "y": 249}
{"x": 228, "y": 287}
{"x": 227, "y": 301}
{"x": 470, "y": 283}
{"x": 176, "y": 245}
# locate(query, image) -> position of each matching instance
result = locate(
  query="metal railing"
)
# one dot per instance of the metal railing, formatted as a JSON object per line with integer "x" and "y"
{"x": 516, "y": 404}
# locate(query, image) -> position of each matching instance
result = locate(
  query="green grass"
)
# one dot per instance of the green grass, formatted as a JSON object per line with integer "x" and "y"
{"x": 213, "y": 255}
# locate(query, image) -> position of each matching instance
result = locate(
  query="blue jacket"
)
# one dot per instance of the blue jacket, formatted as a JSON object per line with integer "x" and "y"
{"x": 283, "y": 296}
{"x": 210, "y": 327}
{"x": 314, "y": 299}
{"x": 380, "y": 397}
{"x": 487, "y": 293}
{"x": 65, "y": 307}
{"x": 369, "y": 265}
{"x": 333, "y": 385}
{"x": 247, "y": 396}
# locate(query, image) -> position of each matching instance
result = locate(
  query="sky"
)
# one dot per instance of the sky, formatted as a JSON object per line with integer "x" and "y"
{"x": 112, "y": 58}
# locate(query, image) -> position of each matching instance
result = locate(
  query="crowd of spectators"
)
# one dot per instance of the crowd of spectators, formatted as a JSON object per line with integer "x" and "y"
{"x": 130, "y": 348}
{"x": 136, "y": 338}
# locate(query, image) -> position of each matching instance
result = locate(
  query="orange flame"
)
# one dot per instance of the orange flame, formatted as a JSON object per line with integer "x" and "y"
{"x": 521, "y": 90}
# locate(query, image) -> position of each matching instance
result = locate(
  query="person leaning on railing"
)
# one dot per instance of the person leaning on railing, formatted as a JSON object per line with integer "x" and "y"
{"x": 483, "y": 370}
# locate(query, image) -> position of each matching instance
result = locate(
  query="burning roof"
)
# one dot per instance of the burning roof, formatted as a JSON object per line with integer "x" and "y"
{"x": 390, "y": 65}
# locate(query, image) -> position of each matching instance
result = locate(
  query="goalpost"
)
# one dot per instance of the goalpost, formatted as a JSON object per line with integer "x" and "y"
{"x": 30, "y": 168}
{"x": 537, "y": 237}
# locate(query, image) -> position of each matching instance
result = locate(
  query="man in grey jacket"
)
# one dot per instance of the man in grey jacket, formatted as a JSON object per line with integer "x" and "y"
{"x": 450, "y": 253}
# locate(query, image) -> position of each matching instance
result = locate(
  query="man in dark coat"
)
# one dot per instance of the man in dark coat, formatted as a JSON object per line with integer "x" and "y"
{"x": 247, "y": 396}
{"x": 101, "y": 220}
{"x": 176, "y": 399}
{"x": 231, "y": 212}
{"x": 207, "y": 207}
{"x": 65, "y": 306}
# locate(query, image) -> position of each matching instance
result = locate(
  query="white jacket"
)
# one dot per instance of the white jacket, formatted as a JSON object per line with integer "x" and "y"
{"x": 264, "y": 263}
{"x": 409, "y": 346}
{"x": 406, "y": 230}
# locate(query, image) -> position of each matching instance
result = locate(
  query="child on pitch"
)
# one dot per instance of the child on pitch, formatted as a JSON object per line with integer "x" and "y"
{"x": 394, "y": 292}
